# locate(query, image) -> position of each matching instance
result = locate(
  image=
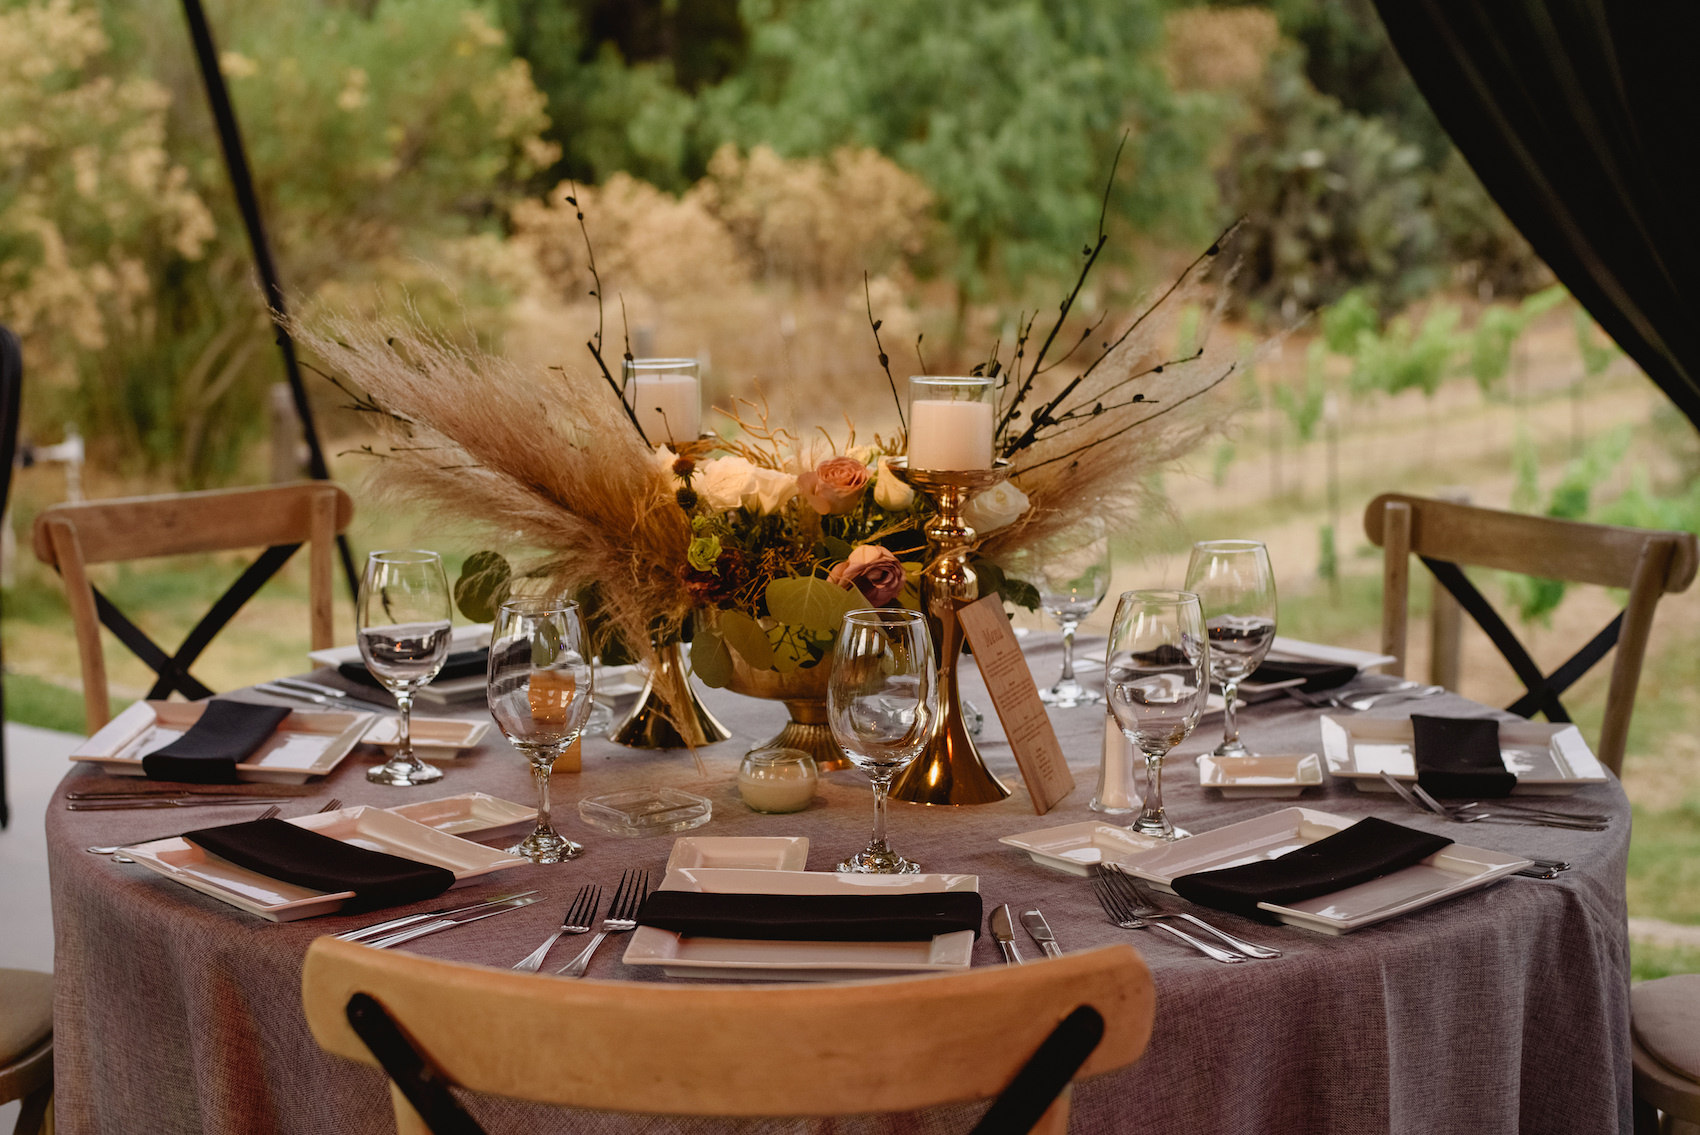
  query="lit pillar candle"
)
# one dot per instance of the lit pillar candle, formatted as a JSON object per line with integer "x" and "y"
{"x": 666, "y": 398}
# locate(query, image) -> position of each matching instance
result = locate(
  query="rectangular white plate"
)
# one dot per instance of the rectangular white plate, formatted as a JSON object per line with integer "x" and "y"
{"x": 1260, "y": 775}
{"x": 371, "y": 828}
{"x": 467, "y": 813}
{"x": 443, "y": 737}
{"x": 1078, "y": 848}
{"x": 1549, "y": 759}
{"x": 750, "y": 853}
{"x": 745, "y": 960}
{"x": 306, "y": 743}
{"x": 1298, "y": 650}
{"x": 1448, "y": 872}
{"x": 473, "y": 636}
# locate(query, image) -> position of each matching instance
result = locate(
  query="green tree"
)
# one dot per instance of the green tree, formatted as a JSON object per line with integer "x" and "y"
{"x": 1009, "y": 109}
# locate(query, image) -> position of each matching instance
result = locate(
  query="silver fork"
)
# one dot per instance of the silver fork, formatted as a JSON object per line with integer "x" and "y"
{"x": 622, "y": 916}
{"x": 1145, "y": 907}
{"x": 577, "y": 920}
{"x": 1121, "y": 913}
{"x": 116, "y": 848}
{"x": 331, "y": 805}
{"x": 1440, "y": 809}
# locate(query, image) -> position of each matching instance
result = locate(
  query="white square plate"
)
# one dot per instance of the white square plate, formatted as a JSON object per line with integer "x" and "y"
{"x": 473, "y": 636}
{"x": 1549, "y": 759}
{"x": 1077, "y": 848}
{"x": 306, "y": 743}
{"x": 441, "y": 737}
{"x": 371, "y": 828}
{"x": 1448, "y": 872}
{"x": 750, "y": 853}
{"x": 467, "y": 813}
{"x": 1260, "y": 775}
{"x": 750, "y": 960}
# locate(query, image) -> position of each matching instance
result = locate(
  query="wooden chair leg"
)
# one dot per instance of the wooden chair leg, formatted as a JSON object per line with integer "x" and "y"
{"x": 35, "y": 1117}
{"x": 1395, "y": 583}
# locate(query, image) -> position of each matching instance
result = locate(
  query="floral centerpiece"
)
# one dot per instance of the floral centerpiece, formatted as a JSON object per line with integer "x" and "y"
{"x": 753, "y": 542}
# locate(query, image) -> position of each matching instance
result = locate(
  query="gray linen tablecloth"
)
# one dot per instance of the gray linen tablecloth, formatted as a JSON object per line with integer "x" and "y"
{"x": 1503, "y": 1010}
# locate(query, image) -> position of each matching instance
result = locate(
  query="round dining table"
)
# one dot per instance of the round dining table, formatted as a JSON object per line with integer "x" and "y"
{"x": 1500, "y": 1010}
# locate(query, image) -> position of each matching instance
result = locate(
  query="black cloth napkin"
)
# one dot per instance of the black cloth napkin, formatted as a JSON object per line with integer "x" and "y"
{"x": 209, "y": 752}
{"x": 1318, "y": 676}
{"x": 813, "y": 918}
{"x": 1459, "y": 756}
{"x": 293, "y": 854}
{"x": 1367, "y": 850}
{"x": 461, "y": 664}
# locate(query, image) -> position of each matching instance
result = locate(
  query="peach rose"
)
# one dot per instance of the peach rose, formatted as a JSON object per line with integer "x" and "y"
{"x": 873, "y": 571}
{"x": 835, "y": 486}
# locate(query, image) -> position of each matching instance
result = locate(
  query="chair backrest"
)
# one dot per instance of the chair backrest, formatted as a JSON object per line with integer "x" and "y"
{"x": 69, "y": 537}
{"x": 790, "y": 1050}
{"x": 11, "y": 399}
{"x": 1445, "y": 534}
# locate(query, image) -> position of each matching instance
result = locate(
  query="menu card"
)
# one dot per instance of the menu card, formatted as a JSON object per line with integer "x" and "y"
{"x": 1016, "y": 698}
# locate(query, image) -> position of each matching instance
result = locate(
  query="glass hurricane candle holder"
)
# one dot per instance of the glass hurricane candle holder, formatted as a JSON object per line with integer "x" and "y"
{"x": 951, "y": 422}
{"x": 666, "y": 398}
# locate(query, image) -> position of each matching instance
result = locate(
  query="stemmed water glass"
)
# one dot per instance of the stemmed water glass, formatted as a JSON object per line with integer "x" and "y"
{"x": 1156, "y": 676}
{"x": 403, "y": 627}
{"x": 539, "y": 686}
{"x": 1071, "y": 584}
{"x": 1236, "y": 589}
{"x": 882, "y": 700}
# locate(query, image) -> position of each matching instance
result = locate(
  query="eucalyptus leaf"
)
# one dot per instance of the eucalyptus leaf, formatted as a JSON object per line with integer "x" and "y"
{"x": 744, "y": 635}
{"x": 810, "y": 602}
{"x": 711, "y": 662}
{"x": 483, "y": 585}
{"x": 1021, "y": 593}
{"x": 790, "y": 649}
{"x": 836, "y": 548}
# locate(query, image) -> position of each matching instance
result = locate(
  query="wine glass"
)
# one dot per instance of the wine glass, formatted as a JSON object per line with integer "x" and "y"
{"x": 1236, "y": 589}
{"x": 1156, "y": 676}
{"x": 882, "y": 700}
{"x": 539, "y": 686}
{"x": 1071, "y": 582}
{"x": 402, "y": 624}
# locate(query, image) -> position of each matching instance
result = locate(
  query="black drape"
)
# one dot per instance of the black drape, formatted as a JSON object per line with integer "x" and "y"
{"x": 1581, "y": 118}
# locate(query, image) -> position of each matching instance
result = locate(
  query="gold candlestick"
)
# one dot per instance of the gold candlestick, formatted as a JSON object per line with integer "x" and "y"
{"x": 949, "y": 770}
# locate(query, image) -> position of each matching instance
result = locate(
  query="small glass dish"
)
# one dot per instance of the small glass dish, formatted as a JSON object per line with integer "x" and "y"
{"x": 778, "y": 780}
{"x": 645, "y": 811}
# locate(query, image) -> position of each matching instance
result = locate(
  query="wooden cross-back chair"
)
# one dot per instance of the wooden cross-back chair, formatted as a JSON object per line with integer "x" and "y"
{"x": 1447, "y": 535}
{"x": 69, "y": 537}
{"x": 716, "y": 1050}
{"x": 11, "y": 400}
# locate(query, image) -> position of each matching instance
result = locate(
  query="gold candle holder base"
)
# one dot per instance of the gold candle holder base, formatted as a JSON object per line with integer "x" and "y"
{"x": 949, "y": 770}
{"x": 667, "y": 715}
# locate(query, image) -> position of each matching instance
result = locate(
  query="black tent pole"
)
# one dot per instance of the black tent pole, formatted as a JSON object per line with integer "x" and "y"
{"x": 242, "y": 182}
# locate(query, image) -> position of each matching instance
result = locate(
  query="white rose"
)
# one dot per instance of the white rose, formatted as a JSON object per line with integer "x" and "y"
{"x": 889, "y": 492}
{"x": 664, "y": 459}
{"x": 995, "y": 508}
{"x": 770, "y": 490}
{"x": 725, "y": 482}
{"x": 862, "y": 453}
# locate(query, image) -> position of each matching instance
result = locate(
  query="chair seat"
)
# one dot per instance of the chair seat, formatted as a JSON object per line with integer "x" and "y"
{"x": 1665, "y": 1017}
{"x": 26, "y": 1011}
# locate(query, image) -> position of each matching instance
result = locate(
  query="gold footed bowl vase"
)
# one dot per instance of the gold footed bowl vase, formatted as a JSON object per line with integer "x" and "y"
{"x": 804, "y": 693}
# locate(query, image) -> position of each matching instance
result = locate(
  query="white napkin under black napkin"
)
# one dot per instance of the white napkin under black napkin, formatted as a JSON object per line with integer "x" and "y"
{"x": 1459, "y": 756}
{"x": 1318, "y": 676}
{"x": 461, "y": 664}
{"x": 226, "y": 733}
{"x": 813, "y": 918}
{"x": 293, "y": 854}
{"x": 1367, "y": 850}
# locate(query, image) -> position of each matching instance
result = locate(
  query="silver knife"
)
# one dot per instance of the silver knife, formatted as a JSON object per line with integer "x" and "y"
{"x": 437, "y": 924}
{"x": 1041, "y": 932}
{"x": 1004, "y": 931}
{"x": 136, "y": 804}
{"x": 278, "y": 691}
{"x": 311, "y": 687}
{"x": 378, "y": 928}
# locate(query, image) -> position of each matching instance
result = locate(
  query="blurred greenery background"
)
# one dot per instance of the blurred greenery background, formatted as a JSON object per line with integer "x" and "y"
{"x": 753, "y": 173}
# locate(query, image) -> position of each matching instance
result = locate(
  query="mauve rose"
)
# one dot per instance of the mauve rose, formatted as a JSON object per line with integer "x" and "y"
{"x": 835, "y": 486}
{"x": 873, "y": 571}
